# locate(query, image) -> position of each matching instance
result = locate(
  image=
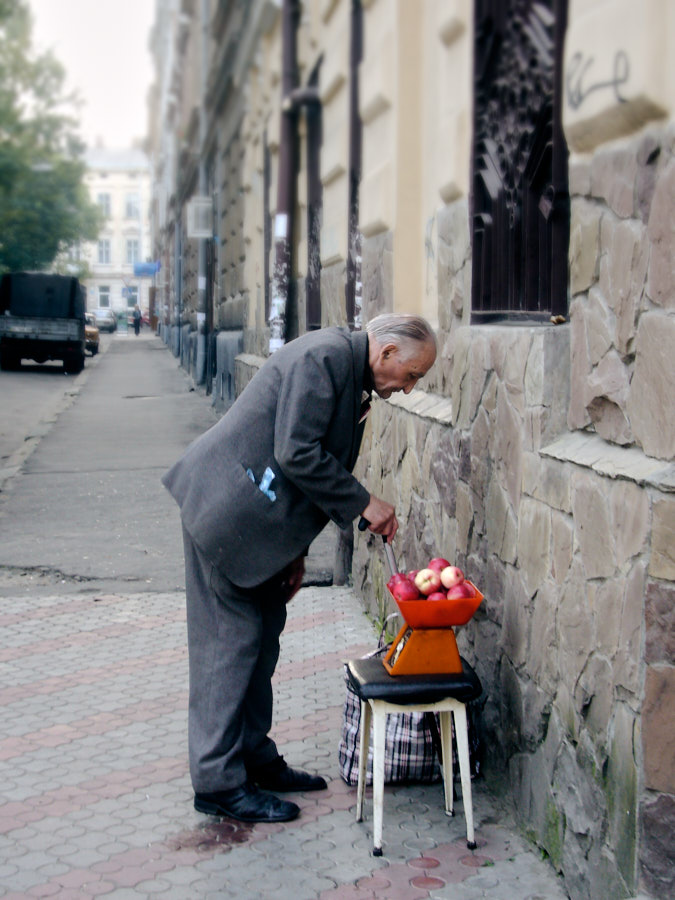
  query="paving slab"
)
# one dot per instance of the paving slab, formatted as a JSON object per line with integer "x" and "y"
{"x": 96, "y": 793}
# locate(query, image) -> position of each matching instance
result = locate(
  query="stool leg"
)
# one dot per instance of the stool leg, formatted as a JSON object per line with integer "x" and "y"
{"x": 446, "y": 748}
{"x": 363, "y": 758}
{"x": 379, "y": 724}
{"x": 462, "y": 737}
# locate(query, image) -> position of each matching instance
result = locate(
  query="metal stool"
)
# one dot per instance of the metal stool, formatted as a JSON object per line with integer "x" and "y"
{"x": 381, "y": 693}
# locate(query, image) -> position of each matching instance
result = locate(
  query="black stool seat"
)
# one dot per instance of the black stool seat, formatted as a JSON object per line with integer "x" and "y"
{"x": 370, "y": 681}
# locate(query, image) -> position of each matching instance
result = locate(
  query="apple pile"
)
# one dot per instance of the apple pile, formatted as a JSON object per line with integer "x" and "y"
{"x": 439, "y": 580}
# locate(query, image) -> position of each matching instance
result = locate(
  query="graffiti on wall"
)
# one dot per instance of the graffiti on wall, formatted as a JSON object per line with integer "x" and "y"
{"x": 580, "y": 83}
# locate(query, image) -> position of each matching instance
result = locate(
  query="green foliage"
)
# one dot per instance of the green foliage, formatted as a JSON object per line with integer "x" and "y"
{"x": 44, "y": 205}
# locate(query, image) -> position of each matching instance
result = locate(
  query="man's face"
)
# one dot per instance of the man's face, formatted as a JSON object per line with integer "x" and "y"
{"x": 400, "y": 368}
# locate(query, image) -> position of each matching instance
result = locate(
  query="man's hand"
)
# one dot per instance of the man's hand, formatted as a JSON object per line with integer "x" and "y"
{"x": 292, "y": 578}
{"x": 381, "y": 517}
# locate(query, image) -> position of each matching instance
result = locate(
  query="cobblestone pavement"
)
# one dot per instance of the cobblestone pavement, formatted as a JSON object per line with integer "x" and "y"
{"x": 96, "y": 799}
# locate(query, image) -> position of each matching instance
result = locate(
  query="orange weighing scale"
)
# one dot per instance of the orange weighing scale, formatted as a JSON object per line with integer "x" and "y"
{"x": 426, "y": 643}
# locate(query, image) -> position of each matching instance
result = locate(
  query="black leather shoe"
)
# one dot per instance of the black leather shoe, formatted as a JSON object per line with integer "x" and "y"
{"x": 248, "y": 804}
{"x": 278, "y": 776}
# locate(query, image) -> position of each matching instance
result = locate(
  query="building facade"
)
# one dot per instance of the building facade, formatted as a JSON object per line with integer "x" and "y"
{"x": 506, "y": 169}
{"x": 119, "y": 182}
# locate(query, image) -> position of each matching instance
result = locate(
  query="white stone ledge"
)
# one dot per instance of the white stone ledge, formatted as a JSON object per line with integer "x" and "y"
{"x": 428, "y": 406}
{"x": 250, "y": 359}
{"x": 611, "y": 460}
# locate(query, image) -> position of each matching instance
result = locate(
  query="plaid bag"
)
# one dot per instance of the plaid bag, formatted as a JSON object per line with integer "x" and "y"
{"x": 412, "y": 740}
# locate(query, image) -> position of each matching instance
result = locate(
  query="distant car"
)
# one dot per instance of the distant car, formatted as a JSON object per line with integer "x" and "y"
{"x": 105, "y": 319}
{"x": 91, "y": 335}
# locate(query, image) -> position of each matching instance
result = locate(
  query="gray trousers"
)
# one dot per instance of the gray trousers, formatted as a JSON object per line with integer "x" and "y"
{"x": 233, "y": 648}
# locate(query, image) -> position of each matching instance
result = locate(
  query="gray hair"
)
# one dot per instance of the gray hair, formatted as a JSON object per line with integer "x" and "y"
{"x": 400, "y": 328}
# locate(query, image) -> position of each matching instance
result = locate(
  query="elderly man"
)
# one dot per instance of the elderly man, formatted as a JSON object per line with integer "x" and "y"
{"x": 254, "y": 491}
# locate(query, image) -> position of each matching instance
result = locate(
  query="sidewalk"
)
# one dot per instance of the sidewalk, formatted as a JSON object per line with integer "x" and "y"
{"x": 97, "y": 799}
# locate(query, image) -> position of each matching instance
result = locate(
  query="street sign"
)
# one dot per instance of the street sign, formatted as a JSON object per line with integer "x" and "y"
{"x": 146, "y": 269}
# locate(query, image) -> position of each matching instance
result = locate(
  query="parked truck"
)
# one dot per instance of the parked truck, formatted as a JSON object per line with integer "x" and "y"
{"x": 41, "y": 318}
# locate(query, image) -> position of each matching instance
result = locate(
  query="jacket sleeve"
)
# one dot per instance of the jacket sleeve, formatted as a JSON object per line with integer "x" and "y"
{"x": 314, "y": 412}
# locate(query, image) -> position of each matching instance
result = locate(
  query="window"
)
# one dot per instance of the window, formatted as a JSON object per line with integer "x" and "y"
{"x": 104, "y": 296}
{"x": 104, "y": 251}
{"x": 133, "y": 251}
{"x": 132, "y": 297}
{"x": 520, "y": 196}
{"x": 103, "y": 201}
{"x": 132, "y": 209}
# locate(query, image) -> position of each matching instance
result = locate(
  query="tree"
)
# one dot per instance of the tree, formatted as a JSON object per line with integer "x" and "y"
{"x": 44, "y": 205}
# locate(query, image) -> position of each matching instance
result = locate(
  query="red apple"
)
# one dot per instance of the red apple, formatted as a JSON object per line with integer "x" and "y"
{"x": 437, "y": 595}
{"x": 405, "y": 590}
{"x": 450, "y": 576}
{"x": 412, "y": 574}
{"x": 427, "y": 581}
{"x": 461, "y": 590}
{"x": 394, "y": 580}
{"x": 438, "y": 564}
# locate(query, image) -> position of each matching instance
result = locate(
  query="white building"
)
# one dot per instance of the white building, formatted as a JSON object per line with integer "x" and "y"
{"x": 119, "y": 182}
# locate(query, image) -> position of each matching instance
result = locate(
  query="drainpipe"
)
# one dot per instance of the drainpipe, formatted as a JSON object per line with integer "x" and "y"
{"x": 286, "y": 190}
{"x": 202, "y": 325}
{"x": 353, "y": 291}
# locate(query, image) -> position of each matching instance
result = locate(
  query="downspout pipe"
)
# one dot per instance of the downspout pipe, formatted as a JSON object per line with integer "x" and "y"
{"x": 286, "y": 181}
{"x": 353, "y": 287}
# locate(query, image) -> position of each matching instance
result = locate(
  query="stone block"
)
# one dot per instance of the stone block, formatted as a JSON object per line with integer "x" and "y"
{"x": 579, "y": 175}
{"x": 593, "y": 526}
{"x": 656, "y": 848}
{"x": 613, "y": 173}
{"x": 469, "y": 375}
{"x": 661, "y": 232}
{"x": 481, "y": 463}
{"x": 562, "y": 545}
{"x": 660, "y": 623}
{"x": 523, "y": 710}
{"x": 606, "y": 604}
{"x": 584, "y": 249}
{"x": 464, "y": 514}
{"x": 534, "y": 543}
{"x": 443, "y": 470}
{"x": 579, "y": 796}
{"x": 658, "y": 729}
{"x": 623, "y": 272}
{"x": 576, "y": 632}
{"x": 507, "y": 446}
{"x": 515, "y": 638}
{"x": 628, "y": 658}
{"x": 593, "y": 695}
{"x": 648, "y": 156}
{"x": 662, "y": 561}
{"x": 598, "y": 323}
{"x": 651, "y": 399}
{"x": 629, "y": 505}
{"x": 580, "y": 367}
{"x": 500, "y": 524}
{"x": 542, "y": 660}
{"x": 606, "y": 391}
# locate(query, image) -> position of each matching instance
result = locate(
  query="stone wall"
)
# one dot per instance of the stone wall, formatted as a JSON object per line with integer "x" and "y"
{"x": 622, "y": 277}
{"x": 540, "y": 460}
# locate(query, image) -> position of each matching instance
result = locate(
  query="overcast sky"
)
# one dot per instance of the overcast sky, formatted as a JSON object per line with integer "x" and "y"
{"x": 103, "y": 45}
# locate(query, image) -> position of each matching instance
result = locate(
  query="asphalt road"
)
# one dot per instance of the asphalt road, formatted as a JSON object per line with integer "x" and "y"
{"x": 81, "y": 502}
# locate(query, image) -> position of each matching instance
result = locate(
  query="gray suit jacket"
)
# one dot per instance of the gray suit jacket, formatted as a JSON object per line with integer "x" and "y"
{"x": 298, "y": 417}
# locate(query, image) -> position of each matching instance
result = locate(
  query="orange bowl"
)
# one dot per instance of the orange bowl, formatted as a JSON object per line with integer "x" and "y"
{"x": 440, "y": 613}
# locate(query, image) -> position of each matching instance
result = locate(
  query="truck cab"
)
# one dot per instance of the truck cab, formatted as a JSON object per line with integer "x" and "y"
{"x": 42, "y": 317}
